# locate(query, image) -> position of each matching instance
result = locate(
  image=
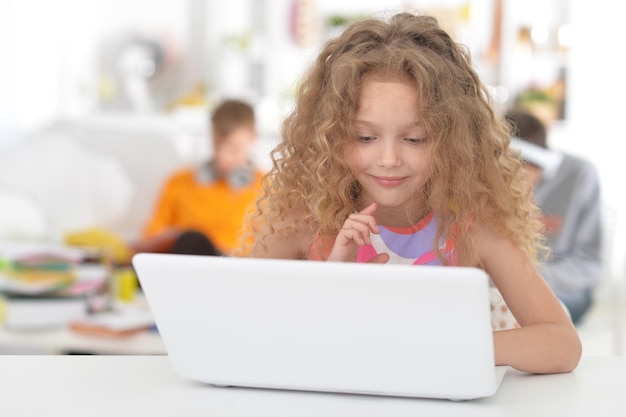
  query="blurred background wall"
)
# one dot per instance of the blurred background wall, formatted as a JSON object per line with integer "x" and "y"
{"x": 132, "y": 69}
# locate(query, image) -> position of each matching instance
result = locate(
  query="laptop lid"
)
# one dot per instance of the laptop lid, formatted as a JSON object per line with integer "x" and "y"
{"x": 399, "y": 330}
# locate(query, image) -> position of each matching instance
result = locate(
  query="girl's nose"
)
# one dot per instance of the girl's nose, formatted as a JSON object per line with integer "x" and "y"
{"x": 389, "y": 155}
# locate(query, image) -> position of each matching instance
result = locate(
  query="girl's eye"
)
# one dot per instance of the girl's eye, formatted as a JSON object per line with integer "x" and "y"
{"x": 366, "y": 138}
{"x": 415, "y": 141}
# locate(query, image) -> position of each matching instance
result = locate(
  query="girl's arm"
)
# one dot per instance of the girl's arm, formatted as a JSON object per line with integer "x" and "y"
{"x": 547, "y": 341}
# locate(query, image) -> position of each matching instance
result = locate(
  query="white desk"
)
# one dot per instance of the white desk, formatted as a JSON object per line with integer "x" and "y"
{"x": 147, "y": 386}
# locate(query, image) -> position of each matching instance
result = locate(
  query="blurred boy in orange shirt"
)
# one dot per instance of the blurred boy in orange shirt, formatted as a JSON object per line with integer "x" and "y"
{"x": 201, "y": 210}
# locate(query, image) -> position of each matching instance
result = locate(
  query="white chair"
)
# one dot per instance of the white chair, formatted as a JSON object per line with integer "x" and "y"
{"x": 602, "y": 329}
{"x": 615, "y": 274}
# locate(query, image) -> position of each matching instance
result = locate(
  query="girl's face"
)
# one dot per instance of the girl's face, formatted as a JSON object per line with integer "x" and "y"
{"x": 389, "y": 155}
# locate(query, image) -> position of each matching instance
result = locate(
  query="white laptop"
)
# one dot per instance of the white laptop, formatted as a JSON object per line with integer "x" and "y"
{"x": 396, "y": 330}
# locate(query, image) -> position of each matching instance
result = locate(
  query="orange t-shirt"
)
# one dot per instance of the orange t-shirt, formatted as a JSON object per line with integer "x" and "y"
{"x": 215, "y": 209}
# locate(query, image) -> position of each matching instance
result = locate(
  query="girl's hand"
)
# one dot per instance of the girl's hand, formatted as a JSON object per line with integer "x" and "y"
{"x": 356, "y": 232}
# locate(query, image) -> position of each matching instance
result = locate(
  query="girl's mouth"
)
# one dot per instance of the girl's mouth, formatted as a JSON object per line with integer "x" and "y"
{"x": 389, "y": 181}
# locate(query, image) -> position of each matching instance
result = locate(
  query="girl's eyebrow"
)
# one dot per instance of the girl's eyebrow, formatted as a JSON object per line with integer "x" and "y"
{"x": 366, "y": 123}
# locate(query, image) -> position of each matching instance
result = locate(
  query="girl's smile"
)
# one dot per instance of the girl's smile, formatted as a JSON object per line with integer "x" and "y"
{"x": 390, "y": 181}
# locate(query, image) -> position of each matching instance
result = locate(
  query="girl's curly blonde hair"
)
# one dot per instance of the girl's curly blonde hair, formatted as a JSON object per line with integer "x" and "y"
{"x": 475, "y": 177}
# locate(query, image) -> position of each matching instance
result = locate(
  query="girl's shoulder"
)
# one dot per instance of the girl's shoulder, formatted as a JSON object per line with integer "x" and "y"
{"x": 319, "y": 248}
{"x": 485, "y": 240}
{"x": 495, "y": 250}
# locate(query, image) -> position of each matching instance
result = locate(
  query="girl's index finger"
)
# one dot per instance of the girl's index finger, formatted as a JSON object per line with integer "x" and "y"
{"x": 369, "y": 211}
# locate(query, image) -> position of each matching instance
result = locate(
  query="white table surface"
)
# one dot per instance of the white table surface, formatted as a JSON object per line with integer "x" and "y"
{"x": 147, "y": 386}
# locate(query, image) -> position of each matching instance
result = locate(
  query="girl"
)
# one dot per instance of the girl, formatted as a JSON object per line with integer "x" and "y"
{"x": 394, "y": 154}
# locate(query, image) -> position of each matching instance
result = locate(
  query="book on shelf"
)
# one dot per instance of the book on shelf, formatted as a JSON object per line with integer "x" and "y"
{"x": 48, "y": 285}
{"x": 36, "y": 267}
{"x": 116, "y": 323}
{"x": 24, "y": 312}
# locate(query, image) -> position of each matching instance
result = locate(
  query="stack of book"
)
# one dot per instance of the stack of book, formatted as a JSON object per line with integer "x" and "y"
{"x": 48, "y": 285}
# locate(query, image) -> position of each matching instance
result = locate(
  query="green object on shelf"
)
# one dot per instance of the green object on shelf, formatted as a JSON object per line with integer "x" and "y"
{"x": 533, "y": 96}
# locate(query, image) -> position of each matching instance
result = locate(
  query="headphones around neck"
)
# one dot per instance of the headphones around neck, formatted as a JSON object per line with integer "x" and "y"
{"x": 236, "y": 178}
